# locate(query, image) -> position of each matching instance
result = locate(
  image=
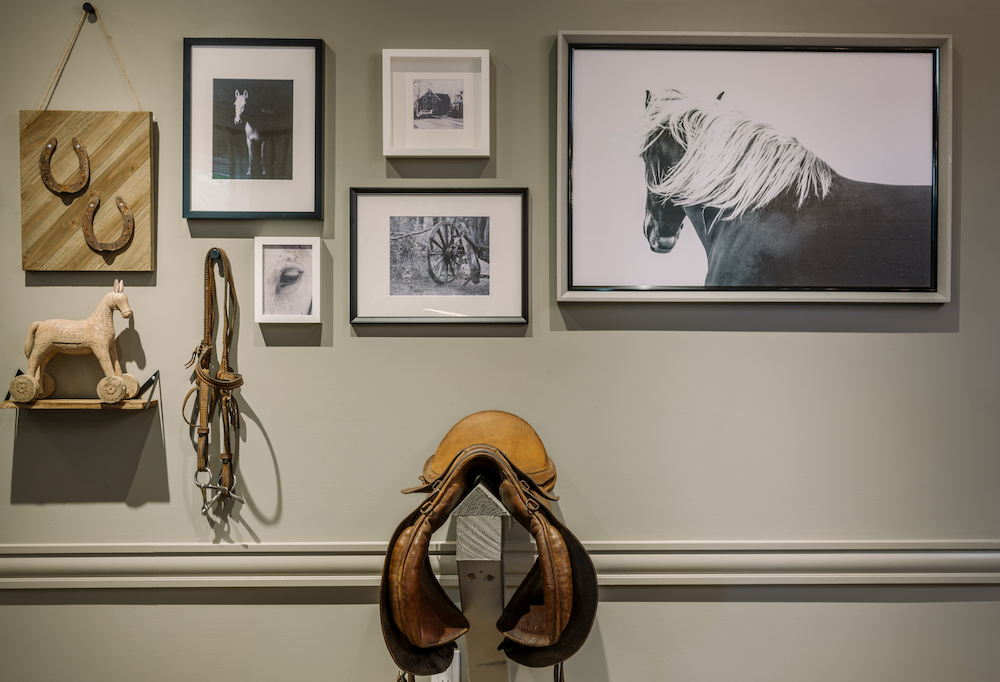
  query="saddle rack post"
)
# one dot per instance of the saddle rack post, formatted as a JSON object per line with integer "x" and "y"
{"x": 481, "y": 531}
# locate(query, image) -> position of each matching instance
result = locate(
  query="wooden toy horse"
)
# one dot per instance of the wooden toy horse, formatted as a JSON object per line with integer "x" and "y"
{"x": 769, "y": 212}
{"x": 77, "y": 337}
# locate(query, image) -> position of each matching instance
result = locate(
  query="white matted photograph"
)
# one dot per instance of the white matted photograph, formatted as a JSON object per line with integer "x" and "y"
{"x": 438, "y": 255}
{"x": 436, "y": 103}
{"x": 253, "y": 128}
{"x": 287, "y": 279}
{"x": 729, "y": 167}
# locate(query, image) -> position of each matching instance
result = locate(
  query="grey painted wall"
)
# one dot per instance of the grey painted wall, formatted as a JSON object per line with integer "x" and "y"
{"x": 767, "y": 426}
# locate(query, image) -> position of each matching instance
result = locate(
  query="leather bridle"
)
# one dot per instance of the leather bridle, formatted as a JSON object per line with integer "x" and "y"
{"x": 218, "y": 389}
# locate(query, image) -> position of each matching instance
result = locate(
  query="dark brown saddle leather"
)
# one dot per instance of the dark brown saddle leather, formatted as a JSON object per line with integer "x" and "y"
{"x": 550, "y": 614}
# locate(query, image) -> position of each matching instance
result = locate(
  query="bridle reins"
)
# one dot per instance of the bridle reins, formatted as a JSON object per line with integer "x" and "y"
{"x": 216, "y": 389}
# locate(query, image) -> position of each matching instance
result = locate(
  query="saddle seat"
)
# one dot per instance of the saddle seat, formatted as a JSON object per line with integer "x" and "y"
{"x": 550, "y": 614}
{"x": 506, "y": 432}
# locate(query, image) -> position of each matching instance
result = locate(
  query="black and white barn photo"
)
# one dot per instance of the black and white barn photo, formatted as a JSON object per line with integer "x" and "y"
{"x": 752, "y": 169}
{"x": 252, "y": 129}
{"x": 439, "y": 256}
{"x": 438, "y": 103}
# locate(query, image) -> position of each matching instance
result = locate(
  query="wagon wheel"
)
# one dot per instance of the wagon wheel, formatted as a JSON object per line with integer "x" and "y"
{"x": 442, "y": 253}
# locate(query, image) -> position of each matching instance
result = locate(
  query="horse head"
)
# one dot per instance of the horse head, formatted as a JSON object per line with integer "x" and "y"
{"x": 663, "y": 221}
{"x": 714, "y": 164}
{"x": 118, "y": 301}
{"x": 239, "y": 105}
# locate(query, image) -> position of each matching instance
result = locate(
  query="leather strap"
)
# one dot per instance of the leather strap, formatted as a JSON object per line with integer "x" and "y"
{"x": 217, "y": 389}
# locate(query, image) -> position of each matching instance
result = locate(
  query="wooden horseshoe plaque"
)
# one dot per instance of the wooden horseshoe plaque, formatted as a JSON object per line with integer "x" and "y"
{"x": 60, "y": 231}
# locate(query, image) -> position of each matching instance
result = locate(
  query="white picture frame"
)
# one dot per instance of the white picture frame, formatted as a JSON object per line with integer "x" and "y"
{"x": 620, "y": 60}
{"x": 435, "y": 103}
{"x": 287, "y": 280}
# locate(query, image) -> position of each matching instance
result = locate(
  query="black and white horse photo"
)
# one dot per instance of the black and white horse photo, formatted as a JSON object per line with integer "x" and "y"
{"x": 807, "y": 170}
{"x": 252, "y": 129}
{"x": 768, "y": 211}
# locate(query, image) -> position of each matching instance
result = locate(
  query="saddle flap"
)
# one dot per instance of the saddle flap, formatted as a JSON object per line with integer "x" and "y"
{"x": 508, "y": 433}
{"x": 417, "y": 660}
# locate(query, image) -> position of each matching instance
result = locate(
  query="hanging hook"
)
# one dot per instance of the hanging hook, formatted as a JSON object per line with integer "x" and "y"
{"x": 88, "y": 8}
{"x": 88, "y": 225}
{"x": 82, "y": 173}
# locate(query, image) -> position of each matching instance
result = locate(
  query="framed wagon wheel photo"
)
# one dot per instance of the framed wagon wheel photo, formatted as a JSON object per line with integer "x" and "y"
{"x": 433, "y": 255}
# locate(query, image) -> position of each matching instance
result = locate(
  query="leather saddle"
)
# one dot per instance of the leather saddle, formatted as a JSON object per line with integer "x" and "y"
{"x": 550, "y": 614}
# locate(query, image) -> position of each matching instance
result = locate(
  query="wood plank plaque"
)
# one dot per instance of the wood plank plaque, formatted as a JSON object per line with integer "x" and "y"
{"x": 119, "y": 144}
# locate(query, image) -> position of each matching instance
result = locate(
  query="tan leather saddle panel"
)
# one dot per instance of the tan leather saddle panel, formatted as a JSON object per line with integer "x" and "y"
{"x": 504, "y": 431}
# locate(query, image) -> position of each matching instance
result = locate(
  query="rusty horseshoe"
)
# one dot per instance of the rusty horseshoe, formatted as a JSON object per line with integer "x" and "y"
{"x": 88, "y": 225}
{"x": 82, "y": 174}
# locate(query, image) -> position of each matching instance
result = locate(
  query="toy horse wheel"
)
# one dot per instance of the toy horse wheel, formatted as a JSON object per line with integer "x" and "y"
{"x": 48, "y": 386}
{"x": 24, "y": 388}
{"x": 112, "y": 389}
{"x": 131, "y": 385}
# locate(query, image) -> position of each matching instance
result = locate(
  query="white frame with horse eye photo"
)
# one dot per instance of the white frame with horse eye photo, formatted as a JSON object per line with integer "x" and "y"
{"x": 253, "y": 128}
{"x": 458, "y": 122}
{"x": 805, "y": 168}
{"x": 287, "y": 280}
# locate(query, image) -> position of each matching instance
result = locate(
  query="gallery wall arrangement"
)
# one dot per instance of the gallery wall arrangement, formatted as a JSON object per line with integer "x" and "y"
{"x": 733, "y": 265}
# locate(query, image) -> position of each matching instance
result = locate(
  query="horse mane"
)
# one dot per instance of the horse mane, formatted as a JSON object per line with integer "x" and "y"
{"x": 730, "y": 162}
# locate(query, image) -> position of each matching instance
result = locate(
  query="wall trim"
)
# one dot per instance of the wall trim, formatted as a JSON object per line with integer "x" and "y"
{"x": 359, "y": 564}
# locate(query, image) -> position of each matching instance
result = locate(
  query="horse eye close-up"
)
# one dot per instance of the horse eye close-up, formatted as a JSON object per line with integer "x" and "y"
{"x": 289, "y": 276}
{"x": 287, "y": 283}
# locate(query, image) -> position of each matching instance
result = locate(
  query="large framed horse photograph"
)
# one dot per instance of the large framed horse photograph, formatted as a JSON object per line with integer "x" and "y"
{"x": 753, "y": 167}
{"x": 253, "y": 128}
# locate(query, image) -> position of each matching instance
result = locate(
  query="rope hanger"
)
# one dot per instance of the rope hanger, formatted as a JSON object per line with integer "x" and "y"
{"x": 88, "y": 9}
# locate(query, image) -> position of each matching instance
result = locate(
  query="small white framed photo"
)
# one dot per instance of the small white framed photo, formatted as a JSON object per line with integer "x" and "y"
{"x": 286, "y": 279}
{"x": 436, "y": 103}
